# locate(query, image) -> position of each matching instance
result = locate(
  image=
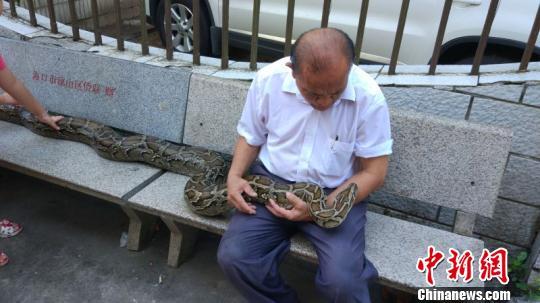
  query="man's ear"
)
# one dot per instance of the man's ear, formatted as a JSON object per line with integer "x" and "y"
{"x": 290, "y": 65}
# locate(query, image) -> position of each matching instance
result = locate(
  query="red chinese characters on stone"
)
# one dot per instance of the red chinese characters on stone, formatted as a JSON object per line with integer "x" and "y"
{"x": 109, "y": 91}
{"x": 80, "y": 85}
{"x": 460, "y": 266}
{"x": 429, "y": 263}
{"x": 494, "y": 265}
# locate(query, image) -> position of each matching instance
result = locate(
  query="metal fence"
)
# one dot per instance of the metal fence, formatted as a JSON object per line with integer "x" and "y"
{"x": 475, "y": 67}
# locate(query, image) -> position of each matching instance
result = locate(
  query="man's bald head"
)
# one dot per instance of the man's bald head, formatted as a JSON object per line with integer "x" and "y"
{"x": 319, "y": 49}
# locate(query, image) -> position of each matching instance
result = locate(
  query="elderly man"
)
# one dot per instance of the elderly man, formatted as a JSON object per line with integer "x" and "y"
{"x": 310, "y": 117}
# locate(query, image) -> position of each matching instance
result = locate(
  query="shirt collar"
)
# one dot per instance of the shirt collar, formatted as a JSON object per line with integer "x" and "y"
{"x": 289, "y": 85}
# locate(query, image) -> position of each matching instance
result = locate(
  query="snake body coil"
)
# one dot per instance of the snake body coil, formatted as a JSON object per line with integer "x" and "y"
{"x": 206, "y": 190}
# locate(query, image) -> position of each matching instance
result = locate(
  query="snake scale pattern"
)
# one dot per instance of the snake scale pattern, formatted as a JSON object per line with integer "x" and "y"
{"x": 206, "y": 190}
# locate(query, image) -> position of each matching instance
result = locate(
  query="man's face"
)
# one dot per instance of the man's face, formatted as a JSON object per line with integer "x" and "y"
{"x": 321, "y": 90}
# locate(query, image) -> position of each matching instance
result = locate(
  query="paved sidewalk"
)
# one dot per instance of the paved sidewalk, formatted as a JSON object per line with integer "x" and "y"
{"x": 69, "y": 252}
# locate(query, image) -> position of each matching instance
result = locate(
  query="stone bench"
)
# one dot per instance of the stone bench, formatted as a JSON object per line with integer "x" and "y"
{"x": 455, "y": 164}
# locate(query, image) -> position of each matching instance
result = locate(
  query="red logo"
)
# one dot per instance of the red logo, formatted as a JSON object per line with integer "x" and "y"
{"x": 429, "y": 263}
{"x": 460, "y": 265}
{"x": 491, "y": 265}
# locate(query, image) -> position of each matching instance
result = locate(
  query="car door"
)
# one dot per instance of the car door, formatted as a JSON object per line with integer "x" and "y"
{"x": 418, "y": 39}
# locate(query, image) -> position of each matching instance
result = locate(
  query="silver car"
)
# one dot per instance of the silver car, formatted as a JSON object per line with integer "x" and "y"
{"x": 508, "y": 36}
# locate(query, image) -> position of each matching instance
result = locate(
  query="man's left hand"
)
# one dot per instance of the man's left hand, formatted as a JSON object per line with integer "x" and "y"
{"x": 299, "y": 211}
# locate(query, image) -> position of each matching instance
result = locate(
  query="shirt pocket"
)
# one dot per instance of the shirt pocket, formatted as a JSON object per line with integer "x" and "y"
{"x": 337, "y": 157}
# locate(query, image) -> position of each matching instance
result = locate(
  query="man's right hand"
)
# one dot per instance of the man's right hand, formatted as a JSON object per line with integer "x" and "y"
{"x": 236, "y": 185}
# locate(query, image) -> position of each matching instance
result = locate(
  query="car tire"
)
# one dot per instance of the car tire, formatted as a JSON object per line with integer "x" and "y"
{"x": 487, "y": 59}
{"x": 181, "y": 17}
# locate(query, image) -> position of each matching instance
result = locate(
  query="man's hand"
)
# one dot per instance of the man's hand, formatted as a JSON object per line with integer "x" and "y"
{"x": 331, "y": 197}
{"x": 235, "y": 187}
{"x": 49, "y": 120}
{"x": 299, "y": 212}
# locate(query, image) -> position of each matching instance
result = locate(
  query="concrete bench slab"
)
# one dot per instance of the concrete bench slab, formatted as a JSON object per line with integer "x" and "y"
{"x": 70, "y": 164}
{"x": 393, "y": 245}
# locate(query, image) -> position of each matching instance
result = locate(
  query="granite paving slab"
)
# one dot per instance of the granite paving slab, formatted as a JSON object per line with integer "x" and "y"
{"x": 393, "y": 245}
{"x": 510, "y": 92}
{"x": 426, "y": 80}
{"x": 488, "y": 78}
{"x": 447, "y": 216}
{"x": 532, "y": 95}
{"x": 521, "y": 180}
{"x": 17, "y": 25}
{"x": 512, "y": 222}
{"x": 404, "y": 204}
{"x": 521, "y": 119}
{"x": 418, "y": 75}
{"x": 428, "y": 100}
{"x": 67, "y": 43}
{"x": 127, "y": 95}
{"x": 71, "y": 164}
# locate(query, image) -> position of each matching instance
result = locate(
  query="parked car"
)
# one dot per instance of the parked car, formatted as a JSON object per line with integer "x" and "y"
{"x": 507, "y": 41}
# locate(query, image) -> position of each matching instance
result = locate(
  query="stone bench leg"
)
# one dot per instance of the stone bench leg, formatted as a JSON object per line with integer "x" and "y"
{"x": 140, "y": 228}
{"x": 182, "y": 242}
{"x": 464, "y": 223}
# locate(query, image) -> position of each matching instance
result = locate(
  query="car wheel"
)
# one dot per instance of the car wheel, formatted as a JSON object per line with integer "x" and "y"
{"x": 182, "y": 26}
{"x": 487, "y": 59}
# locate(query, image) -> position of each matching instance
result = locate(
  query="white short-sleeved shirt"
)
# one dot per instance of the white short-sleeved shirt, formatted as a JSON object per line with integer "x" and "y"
{"x": 300, "y": 143}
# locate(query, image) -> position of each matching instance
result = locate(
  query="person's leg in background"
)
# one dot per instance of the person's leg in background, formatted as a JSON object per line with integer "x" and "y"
{"x": 7, "y": 229}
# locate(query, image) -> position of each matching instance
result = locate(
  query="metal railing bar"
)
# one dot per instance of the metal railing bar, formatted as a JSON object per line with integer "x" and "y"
{"x": 168, "y": 31}
{"x": 144, "y": 30}
{"x": 483, "y": 39}
{"x": 32, "y": 11}
{"x": 527, "y": 54}
{"x": 360, "y": 33}
{"x": 196, "y": 32}
{"x": 325, "y": 13}
{"x": 119, "y": 30}
{"x": 225, "y": 36}
{"x": 52, "y": 16}
{"x": 74, "y": 20}
{"x": 254, "y": 34}
{"x": 289, "y": 28}
{"x": 399, "y": 37}
{"x": 440, "y": 36}
{"x": 95, "y": 21}
{"x": 13, "y": 8}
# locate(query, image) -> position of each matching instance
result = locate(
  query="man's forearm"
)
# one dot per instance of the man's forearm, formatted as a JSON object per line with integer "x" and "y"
{"x": 244, "y": 155}
{"x": 369, "y": 178}
{"x": 367, "y": 183}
